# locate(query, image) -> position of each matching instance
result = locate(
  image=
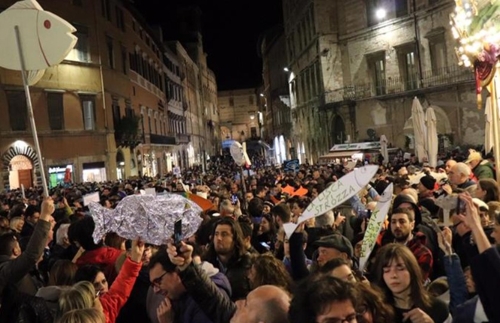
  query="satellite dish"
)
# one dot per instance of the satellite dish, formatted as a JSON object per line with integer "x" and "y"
{"x": 239, "y": 154}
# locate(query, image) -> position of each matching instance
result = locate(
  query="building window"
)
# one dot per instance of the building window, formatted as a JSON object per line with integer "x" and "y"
{"x": 17, "y": 110}
{"x": 81, "y": 51}
{"x": 106, "y": 9}
{"x": 111, "y": 54}
{"x": 231, "y": 102}
{"x": 120, "y": 20}
{"x": 410, "y": 71}
{"x": 250, "y": 99}
{"x": 437, "y": 47}
{"x": 149, "y": 121}
{"x": 402, "y": 8}
{"x": 124, "y": 60}
{"x": 116, "y": 113}
{"x": 129, "y": 111}
{"x": 55, "y": 108}
{"x": 134, "y": 26}
{"x": 88, "y": 109}
{"x": 379, "y": 75}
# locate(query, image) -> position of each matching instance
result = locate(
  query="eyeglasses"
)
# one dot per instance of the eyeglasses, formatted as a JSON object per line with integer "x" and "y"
{"x": 157, "y": 281}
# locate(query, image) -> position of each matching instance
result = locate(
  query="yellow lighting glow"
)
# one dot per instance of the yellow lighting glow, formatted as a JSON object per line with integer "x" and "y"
{"x": 476, "y": 26}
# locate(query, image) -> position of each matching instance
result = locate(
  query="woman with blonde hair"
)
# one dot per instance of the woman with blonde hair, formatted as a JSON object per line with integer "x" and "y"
{"x": 83, "y": 294}
{"x": 398, "y": 275}
{"x": 86, "y": 315}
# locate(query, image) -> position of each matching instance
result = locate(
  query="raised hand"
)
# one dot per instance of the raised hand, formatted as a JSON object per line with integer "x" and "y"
{"x": 183, "y": 258}
{"x": 137, "y": 250}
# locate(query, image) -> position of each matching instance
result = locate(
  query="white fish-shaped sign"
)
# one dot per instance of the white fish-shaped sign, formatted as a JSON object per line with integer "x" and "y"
{"x": 375, "y": 225}
{"x": 46, "y": 38}
{"x": 336, "y": 194}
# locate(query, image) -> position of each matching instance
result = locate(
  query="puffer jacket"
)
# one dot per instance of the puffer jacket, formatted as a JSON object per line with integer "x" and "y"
{"x": 209, "y": 294}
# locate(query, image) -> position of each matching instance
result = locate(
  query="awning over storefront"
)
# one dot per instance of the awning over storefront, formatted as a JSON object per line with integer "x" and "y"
{"x": 340, "y": 154}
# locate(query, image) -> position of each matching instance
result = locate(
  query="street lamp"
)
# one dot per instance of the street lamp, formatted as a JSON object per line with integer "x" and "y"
{"x": 286, "y": 69}
{"x": 380, "y": 13}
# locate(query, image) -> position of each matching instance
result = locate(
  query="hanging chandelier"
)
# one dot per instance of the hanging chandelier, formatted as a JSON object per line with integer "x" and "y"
{"x": 475, "y": 24}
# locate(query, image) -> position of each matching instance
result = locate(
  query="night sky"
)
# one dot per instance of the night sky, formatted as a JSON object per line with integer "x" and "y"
{"x": 231, "y": 29}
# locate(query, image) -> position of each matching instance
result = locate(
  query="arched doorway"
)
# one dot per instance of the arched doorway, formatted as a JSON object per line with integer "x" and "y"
{"x": 21, "y": 172}
{"x": 29, "y": 166}
{"x": 120, "y": 165}
{"x": 338, "y": 130}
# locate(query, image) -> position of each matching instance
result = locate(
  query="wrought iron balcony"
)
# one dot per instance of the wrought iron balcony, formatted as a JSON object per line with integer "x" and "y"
{"x": 401, "y": 84}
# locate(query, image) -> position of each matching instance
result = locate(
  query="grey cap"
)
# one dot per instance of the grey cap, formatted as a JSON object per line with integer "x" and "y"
{"x": 336, "y": 241}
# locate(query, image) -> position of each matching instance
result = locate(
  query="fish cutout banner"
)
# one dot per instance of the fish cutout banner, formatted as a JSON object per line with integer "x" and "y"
{"x": 148, "y": 217}
{"x": 337, "y": 193}
{"x": 375, "y": 225}
{"x": 46, "y": 38}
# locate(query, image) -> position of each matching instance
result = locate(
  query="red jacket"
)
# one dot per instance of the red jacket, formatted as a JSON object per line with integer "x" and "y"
{"x": 113, "y": 301}
{"x": 103, "y": 257}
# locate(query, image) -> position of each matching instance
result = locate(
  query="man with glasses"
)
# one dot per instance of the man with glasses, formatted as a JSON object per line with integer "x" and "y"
{"x": 176, "y": 305}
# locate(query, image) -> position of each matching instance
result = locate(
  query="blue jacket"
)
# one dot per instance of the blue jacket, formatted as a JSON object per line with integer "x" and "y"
{"x": 186, "y": 310}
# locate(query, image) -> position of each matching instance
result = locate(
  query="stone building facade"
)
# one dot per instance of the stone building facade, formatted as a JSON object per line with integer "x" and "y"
{"x": 278, "y": 130}
{"x": 118, "y": 69}
{"x": 239, "y": 114}
{"x": 353, "y": 75}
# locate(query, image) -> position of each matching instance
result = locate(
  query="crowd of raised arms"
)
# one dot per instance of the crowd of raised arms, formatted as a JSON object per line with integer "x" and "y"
{"x": 427, "y": 264}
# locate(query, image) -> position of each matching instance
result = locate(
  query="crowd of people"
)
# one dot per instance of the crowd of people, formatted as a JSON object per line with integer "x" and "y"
{"x": 428, "y": 264}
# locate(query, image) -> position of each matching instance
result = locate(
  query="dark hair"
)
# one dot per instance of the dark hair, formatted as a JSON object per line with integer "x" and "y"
{"x": 255, "y": 207}
{"x": 87, "y": 273}
{"x": 31, "y": 210}
{"x": 492, "y": 189}
{"x": 409, "y": 212}
{"x": 392, "y": 252}
{"x": 374, "y": 300}
{"x": 62, "y": 273}
{"x": 282, "y": 211}
{"x": 238, "y": 244}
{"x": 315, "y": 294}
{"x": 113, "y": 240}
{"x": 161, "y": 257}
{"x": 246, "y": 228}
{"x": 270, "y": 271}
{"x": 81, "y": 231}
{"x": 7, "y": 241}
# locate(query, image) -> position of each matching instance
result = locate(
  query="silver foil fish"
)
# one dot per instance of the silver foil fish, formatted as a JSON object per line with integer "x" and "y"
{"x": 148, "y": 217}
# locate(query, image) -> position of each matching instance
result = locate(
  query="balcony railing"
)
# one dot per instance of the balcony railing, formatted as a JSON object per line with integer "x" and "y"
{"x": 401, "y": 84}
